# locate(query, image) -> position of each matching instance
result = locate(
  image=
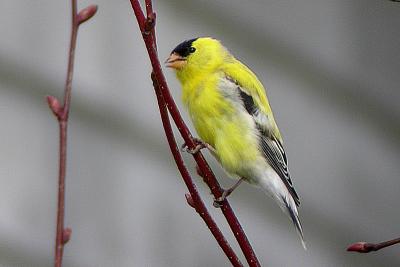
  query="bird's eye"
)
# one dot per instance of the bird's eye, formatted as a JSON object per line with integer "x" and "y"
{"x": 192, "y": 49}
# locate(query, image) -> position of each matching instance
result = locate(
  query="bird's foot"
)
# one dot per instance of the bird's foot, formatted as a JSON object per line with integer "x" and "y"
{"x": 218, "y": 202}
{"x": 200, "y": 144}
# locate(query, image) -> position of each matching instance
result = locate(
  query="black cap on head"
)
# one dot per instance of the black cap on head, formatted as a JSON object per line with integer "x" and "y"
{"x": 185, "y": 48}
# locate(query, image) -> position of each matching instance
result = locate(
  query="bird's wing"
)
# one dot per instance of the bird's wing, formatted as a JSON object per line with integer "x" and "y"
{"x": 272, "y": 148}
{"x": 254, "y": 100}
{"x": 249, "y": 83}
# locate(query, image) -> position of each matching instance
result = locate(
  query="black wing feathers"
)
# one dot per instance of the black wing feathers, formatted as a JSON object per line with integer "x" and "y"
{"x": 278, "y": 162}
{"x": 271, "y": 147}
{"x": 248, "y": 102}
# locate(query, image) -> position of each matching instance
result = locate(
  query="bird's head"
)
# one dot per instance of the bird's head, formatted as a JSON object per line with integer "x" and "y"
{"x": 197, "y": 56}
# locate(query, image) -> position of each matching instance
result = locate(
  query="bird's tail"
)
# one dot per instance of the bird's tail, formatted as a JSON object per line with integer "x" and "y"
{"x": 291, "y": 210}
{"x": 278, "y": 191}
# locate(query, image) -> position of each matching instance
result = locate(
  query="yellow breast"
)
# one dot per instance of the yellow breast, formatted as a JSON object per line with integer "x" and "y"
{"x": 219, "y": 123}
{"x": 206, "y": 107}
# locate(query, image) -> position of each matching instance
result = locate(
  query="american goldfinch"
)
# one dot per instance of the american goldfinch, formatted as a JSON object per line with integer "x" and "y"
{"x": 230, "y": 111}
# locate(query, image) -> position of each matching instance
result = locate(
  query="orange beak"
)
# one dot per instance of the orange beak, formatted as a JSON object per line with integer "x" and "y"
{"x": 175, "y": 61}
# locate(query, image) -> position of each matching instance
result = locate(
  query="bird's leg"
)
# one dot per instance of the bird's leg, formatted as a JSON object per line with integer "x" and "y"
{"x": 200, "y": 144}
{"x": 217, "y": 203}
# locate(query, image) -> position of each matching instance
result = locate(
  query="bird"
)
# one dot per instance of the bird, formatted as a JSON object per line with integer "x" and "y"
{"x": 230, "y": 111}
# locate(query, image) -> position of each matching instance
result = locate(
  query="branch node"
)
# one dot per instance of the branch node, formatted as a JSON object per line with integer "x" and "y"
{"x": 149, "y": 23}
{"x": 154, "y": 80}
{"x": 54, "y": 105}
{"x": 66, "y": 235}
{"x": 86, "y": 14}
{"x": 199, "y": 171}
{"x": 190, "y": 200}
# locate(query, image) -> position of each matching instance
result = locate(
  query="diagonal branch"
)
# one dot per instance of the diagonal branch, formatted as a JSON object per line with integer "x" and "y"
{"x": 193, "y": 198}
{"x": 364, "y": 247}
{"x": 146, "y": 25}
{"x": 61, "y": 112}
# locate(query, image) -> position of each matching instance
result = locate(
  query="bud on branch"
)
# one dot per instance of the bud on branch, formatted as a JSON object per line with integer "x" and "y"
{"x": 54, "y": 105}
{"x": 86, "y": 13}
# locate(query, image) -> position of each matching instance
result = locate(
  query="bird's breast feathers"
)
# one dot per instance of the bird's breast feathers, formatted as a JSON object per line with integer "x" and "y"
{"x": 220, "y": 118}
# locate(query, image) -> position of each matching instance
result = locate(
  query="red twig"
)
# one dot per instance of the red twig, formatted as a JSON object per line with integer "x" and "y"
{"x": 364, "y": 247}
{"x": 146, "y": 26}
{"x": 61, "y": 112}
{"x": 151, "y": 18}
{"x": 193, "y": 198}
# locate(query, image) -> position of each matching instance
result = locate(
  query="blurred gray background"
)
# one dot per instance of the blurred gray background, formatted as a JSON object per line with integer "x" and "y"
{"x": 332, "y": 69}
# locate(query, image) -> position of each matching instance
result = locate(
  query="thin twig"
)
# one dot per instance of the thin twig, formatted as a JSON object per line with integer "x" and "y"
{"x": 146, "y": 25}
{"x": 193, "y": 198}
{"x": 62, "y": 112}
{"x": 364, "y": 247}
{"x": 150, "y": 14}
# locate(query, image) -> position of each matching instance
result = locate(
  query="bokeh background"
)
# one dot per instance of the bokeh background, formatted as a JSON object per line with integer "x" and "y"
{"x": 332, "y": 69}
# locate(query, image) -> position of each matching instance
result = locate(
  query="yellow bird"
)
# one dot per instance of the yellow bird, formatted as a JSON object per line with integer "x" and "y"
{"x": 230, "y": 111}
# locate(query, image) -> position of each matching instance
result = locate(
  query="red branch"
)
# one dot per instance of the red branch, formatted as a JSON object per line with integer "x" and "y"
{"x": 146, "y": 26}
{"x": 61, "y": 112}
{"x": 364, "y": 247}
{"x": 193, "y": 198}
